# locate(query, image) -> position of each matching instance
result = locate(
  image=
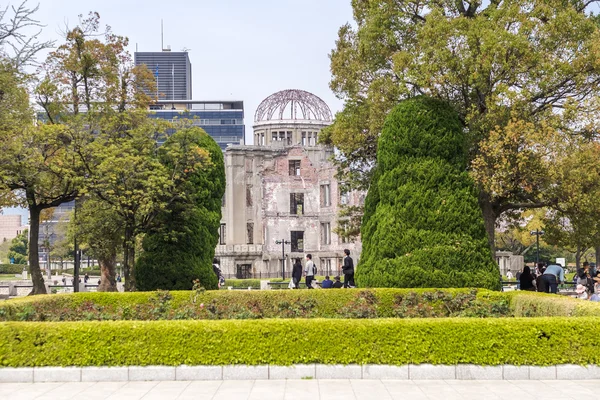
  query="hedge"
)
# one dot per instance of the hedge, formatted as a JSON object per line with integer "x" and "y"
{"x": 354, "y": 304}
{"x": 12, "y": 268}
{"x": 538, "y": 341}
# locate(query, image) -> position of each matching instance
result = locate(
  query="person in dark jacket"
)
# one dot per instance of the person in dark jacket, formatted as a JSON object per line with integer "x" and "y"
{"x": 526, "y": 279}
{"x": 297, "y": 273}
{"x": 327, "y": 283}
{"x": 337, "y": 284}
{"x": 348, "y": 270}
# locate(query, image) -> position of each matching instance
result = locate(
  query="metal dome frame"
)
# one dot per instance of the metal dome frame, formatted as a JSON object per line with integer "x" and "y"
{"x": 311, "y": 107}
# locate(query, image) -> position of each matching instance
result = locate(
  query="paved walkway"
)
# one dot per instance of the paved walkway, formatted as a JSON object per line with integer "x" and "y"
{"x": 306, "y": 389}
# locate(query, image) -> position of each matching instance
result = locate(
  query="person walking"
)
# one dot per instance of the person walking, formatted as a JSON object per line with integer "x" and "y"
{"x": 553, "y": 275}
{"x": 309, "y": 271}
{"x": 297, "y": 274}
{"x": 217, "y": 271}
{"x": 348, "y": 270}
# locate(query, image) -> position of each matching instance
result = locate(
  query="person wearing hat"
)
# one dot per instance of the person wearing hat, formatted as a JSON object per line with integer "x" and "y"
{"x": 337, "y": 284}
{"x": 581, "y": 292}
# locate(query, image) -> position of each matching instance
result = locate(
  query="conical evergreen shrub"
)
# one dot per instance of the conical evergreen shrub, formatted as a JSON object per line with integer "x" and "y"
{"x": 422, "y": 225}
{"x": 182, "y": 246}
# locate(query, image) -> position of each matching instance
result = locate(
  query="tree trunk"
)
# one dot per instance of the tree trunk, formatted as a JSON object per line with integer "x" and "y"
{"x": 34, "y": 258}
{"x": 108, "y": 282}
{"x": 597, "y": 250}
{"x": 128, "y": 250}
{"x": 578, "y": 257}
{"x": 489, "y": 219}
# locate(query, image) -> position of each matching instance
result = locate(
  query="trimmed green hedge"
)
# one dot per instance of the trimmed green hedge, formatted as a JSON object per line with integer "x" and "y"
{"x": 354, "y": 304}
{"x": 538, "y": 341}
{"x": 12, "y": 268}
{"x": 242, "y": 283}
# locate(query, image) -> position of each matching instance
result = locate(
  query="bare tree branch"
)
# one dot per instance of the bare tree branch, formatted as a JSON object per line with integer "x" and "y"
{"x": 16, "y": 45}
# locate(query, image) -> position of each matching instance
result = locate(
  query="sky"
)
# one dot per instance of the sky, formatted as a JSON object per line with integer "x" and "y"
{"x": 239, "y": 49}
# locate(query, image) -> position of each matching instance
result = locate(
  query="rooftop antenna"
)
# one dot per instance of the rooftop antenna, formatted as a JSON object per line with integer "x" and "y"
{"x": 162, "y": 46}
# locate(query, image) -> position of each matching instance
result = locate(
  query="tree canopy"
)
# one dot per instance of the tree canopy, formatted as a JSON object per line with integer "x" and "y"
{"x": 501, "y": 64}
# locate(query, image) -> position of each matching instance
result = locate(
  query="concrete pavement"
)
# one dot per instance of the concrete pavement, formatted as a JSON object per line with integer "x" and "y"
{"x": 310, "y": 389}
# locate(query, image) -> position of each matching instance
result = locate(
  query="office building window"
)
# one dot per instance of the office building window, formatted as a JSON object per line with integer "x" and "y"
{"x": 222, "y": 234}
{"x": 248, "y": 196}
{"x": 325, "y": 195}
{"x": 250, "y": 233}
{"x": 325, "y": 233}
{"x": 303, "y": 139}
{"x": 296, "y": 203}
{"x": 297, "y": 239}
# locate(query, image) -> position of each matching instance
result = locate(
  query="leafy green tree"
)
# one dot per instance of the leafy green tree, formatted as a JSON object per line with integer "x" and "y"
{"x": 39, "y": 166}
{"x": 100, "y": 229}
{"x": 180, "y": 248}
{"x": 92, "y": 87}
{"x": 575, "y": 221}
{"x": 497, "y": 62}
{"x": 423, "y": 226}
{"x": 19, "y": 247}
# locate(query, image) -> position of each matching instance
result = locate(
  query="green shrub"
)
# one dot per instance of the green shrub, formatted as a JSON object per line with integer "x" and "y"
{"x": 422, "y": 225}
{"x": 331, "y": 303}
{"x": 12, "y": 268}
{"x": 181, "y": 248}
{"x": 515, "y": 341}
{"x": 242, "y": 283}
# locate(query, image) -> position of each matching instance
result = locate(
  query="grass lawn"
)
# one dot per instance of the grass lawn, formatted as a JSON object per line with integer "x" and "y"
{"x": 8, "y": 277}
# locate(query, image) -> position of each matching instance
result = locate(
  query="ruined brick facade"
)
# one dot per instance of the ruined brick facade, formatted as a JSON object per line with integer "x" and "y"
{"x": 282, "y": 188}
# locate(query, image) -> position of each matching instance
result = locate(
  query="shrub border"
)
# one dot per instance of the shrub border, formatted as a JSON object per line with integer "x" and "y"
{"x": 446, "y": 341}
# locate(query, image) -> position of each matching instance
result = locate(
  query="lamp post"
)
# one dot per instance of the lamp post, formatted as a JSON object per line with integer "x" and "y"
{"x": 537, "y": 234}
{"x": 282, "y": 242}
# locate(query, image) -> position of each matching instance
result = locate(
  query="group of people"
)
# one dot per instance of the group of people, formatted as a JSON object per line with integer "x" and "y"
{"x": 587, "y": 280}
{"x": 310, "y": 271}
{"x": 545, "y": 278}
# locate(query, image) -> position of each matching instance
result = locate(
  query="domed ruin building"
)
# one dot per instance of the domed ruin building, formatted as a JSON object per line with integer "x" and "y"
{"x": 283, "y": 187}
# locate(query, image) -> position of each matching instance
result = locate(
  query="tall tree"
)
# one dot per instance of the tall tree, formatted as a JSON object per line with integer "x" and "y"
{"x": 91, "y": 85}
{"x": 525, "y": 61}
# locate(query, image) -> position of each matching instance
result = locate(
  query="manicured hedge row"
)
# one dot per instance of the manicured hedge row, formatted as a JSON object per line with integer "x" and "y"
{"x": 334, "y": 303}
{"x": 242, "y": 283}
{"x": 12, "y": 268}
{"x": 515, "y": 341}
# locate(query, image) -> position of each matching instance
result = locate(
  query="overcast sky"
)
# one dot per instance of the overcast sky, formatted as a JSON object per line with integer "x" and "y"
{"x": 239, "y": 49}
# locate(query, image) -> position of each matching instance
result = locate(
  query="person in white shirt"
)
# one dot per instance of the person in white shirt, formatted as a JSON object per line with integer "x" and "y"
{"x": 509, "y": 275}
{"x": 309, "y": 271}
